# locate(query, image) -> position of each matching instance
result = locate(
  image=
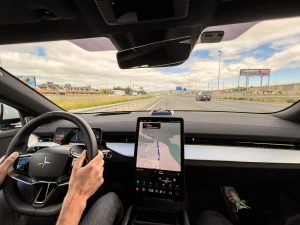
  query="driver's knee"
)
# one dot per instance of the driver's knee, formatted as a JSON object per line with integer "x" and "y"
{"x": 7, "y": 215}
{"x": 116, "y": 204}
{"x": 107, "y": 210}
{"x": 112, "y": 201}
{"x": 211, "y": 217}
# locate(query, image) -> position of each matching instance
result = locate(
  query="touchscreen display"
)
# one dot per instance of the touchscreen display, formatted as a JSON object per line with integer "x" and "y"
{"x": 159, "y": 157}
{"x": 159, "y": 146}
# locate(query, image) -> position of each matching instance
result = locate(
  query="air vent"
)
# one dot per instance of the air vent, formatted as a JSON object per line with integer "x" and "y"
{"x": 119, "y": 137}
{"x": 241, "y": 143}
{"x": 125, "y": 137}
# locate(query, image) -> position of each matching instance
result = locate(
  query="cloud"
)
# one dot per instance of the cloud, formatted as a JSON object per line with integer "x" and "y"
{"x": 269, "y": 44}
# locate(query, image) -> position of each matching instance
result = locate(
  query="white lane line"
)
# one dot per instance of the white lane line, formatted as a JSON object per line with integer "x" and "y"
{"x": 154, "y": 105}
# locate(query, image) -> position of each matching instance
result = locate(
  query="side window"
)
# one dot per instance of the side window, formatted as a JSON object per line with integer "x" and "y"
{"x": 9, "y": 117}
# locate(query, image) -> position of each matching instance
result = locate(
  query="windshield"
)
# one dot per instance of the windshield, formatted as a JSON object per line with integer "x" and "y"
{"x": 257, "y": 71}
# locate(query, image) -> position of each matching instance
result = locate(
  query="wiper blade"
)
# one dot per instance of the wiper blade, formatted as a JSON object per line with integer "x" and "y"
{"x": 105, "y": 113}
{"x": 112, "y": 113}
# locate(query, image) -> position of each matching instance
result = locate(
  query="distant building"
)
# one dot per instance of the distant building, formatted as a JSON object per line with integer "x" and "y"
{"x": 119, "y": 92}
{"x": 50, "y": 88}
{"x": 67, "y": 89}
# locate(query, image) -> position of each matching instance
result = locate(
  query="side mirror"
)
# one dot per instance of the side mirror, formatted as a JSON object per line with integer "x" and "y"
{"x": 9, "y": 117}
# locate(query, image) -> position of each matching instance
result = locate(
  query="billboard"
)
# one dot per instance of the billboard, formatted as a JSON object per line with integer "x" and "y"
{"x": 255, "y": 72}
{"x": 28, "y": 79}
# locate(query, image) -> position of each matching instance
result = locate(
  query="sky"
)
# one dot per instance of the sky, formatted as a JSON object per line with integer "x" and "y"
{"x": 273, "y": 44}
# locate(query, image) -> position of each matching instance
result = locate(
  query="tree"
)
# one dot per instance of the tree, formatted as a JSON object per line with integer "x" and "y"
{"x": 105, "y": 91}
{"x": 127, "y": 90}
{"x": 142, "y": 92}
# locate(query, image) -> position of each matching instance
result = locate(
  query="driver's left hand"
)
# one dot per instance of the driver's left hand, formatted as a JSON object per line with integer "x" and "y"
{"x": 5, "y": 164}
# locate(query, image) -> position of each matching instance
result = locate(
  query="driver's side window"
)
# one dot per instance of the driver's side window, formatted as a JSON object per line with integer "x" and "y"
{"x": 9, "y": 117}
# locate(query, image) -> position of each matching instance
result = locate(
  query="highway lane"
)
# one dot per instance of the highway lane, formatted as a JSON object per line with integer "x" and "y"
{"x": 190, "y": 103}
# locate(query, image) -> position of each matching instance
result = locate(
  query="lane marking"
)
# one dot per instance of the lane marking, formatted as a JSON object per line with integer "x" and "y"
{"x": 154, "y": 105}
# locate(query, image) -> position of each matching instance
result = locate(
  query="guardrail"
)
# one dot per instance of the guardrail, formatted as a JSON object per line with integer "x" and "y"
{"x": 124, "y": 106}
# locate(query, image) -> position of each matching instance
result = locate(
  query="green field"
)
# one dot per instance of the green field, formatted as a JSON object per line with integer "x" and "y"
{"x": 265, "y": 99}
{"x": 68, "y": 102}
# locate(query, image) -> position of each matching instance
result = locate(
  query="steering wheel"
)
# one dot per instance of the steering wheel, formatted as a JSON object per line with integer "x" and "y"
{"x": 48, "y": 169}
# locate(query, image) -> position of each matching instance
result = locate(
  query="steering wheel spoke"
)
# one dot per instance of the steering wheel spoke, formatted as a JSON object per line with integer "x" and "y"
{"x": 63, "y": 181}
{"x": 45, "y": 194}
{"x": 20, "y": 170}
{"x": 21, "y": 178}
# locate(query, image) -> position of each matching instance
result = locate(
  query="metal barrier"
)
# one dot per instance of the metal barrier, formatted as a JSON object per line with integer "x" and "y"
{"x": 124, "y": 106}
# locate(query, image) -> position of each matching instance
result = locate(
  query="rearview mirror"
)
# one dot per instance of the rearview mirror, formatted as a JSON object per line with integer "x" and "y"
{"x": 164, "y": 53}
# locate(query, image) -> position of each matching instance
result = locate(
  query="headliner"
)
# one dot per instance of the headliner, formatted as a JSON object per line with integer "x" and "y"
{"x": 20, "y": 21}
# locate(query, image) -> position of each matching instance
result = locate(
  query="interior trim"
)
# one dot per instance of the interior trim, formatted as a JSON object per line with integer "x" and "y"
{"x": 210, "y": 153}
{"x": 224, "y": 153}
{"x": 125, "y": 149}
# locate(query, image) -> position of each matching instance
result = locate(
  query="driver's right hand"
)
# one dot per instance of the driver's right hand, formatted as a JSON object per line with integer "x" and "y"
{"x": 86, "y": 180}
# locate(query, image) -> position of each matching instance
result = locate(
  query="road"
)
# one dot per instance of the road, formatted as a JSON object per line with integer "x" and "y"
{"x": 189, "y": 103}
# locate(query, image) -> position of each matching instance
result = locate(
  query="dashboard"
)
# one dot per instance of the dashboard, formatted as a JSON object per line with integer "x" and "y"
{"x": 211, "y": 139}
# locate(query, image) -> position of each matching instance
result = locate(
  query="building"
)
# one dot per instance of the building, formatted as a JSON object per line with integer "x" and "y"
{"x": 119, "y": 92}
{"x": 67, "y": 89}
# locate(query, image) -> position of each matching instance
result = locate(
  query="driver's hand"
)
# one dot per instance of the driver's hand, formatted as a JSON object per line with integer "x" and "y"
{"x": 85, "y": 181}
{"x": 5, "y": 164}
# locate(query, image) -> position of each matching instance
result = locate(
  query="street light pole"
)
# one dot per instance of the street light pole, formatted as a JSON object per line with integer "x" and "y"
{"x": 220, "y": 56}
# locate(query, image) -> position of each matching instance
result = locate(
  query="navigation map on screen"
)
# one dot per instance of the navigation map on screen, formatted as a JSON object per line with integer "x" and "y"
{"x": 159, "y": 146}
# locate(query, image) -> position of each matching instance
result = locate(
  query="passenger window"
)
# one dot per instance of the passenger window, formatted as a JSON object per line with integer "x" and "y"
{"x": 9, "y": 117}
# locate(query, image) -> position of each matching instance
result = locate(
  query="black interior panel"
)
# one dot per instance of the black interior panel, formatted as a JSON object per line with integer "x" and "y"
{"x": 81, "y": 19}
{"x": 229, "y": 125}
{"x": 34, "y": 11}
{"x": 5, "y": 139}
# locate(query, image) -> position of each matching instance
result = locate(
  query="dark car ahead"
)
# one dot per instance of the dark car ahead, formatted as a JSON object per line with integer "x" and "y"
{"x": 204, "y": 96}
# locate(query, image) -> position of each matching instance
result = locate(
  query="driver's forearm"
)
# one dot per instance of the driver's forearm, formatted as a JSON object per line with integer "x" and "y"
{"x": 72, "y": 209}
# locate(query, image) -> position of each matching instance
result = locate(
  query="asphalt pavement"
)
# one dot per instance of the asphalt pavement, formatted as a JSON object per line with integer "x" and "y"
{"x": 190, "y": 103}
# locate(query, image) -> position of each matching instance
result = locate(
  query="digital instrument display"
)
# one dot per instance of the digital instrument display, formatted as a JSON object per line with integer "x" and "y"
{"x": 73, "y": 135}
{"x": 159, "y": 154}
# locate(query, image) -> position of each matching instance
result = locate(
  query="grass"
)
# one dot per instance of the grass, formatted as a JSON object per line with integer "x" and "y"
{"x": 269, "y": 100}
{"x": 68, "y": 102}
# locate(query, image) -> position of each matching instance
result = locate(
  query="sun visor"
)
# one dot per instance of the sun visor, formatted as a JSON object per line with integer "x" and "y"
{"x": 231, "y": 31}
{"x": 94, "y": 44}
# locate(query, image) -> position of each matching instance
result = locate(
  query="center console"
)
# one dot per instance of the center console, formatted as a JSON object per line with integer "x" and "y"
{"x": 159, "y": 173}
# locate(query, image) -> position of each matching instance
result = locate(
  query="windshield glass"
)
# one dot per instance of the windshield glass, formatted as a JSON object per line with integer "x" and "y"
{"x": 257, "y": 71}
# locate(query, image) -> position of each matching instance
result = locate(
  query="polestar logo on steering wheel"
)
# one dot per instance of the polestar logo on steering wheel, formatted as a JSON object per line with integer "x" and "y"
{"x": 44, "y": 163}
